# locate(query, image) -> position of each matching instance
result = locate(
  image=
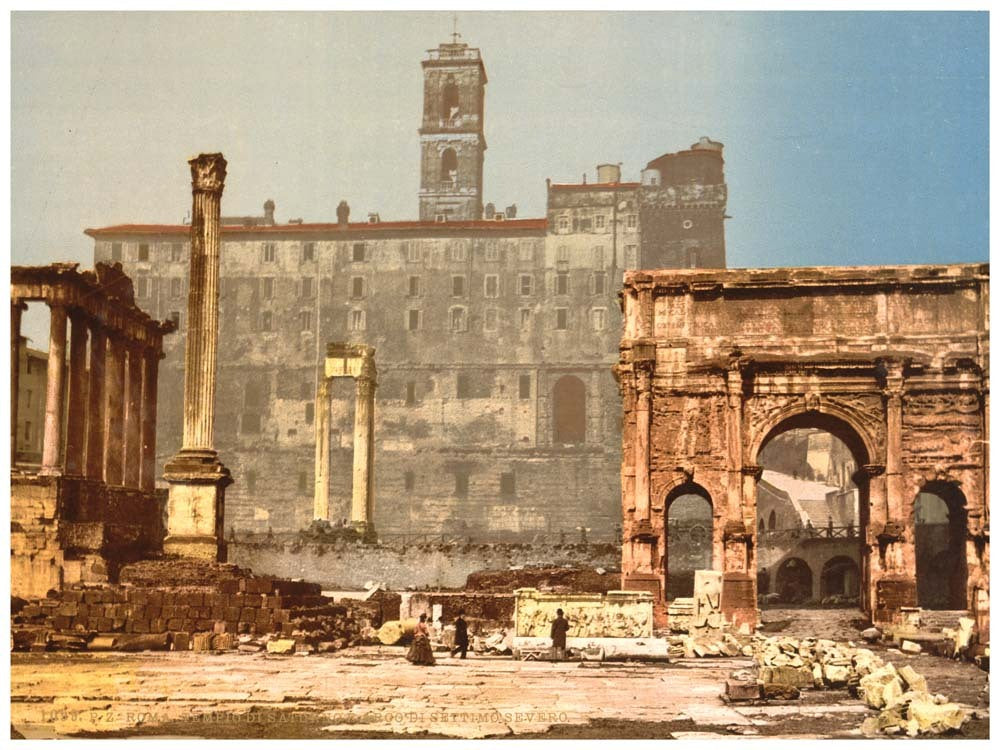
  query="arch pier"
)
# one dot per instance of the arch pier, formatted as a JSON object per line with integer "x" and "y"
{"x": 893, "y": 361}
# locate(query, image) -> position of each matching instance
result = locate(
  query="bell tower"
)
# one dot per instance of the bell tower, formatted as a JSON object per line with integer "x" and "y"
{"x": 451, "y": 134}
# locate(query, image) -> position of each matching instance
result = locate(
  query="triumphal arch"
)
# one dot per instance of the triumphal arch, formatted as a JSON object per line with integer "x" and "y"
{"x": 893, "y": 361}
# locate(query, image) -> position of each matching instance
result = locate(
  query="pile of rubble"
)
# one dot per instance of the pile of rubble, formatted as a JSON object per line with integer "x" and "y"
{"x": 186, "y": 604}
{"x": 701, "y": 643}
{"x": 544, "y": 578}
{"x": 786, "y": 665}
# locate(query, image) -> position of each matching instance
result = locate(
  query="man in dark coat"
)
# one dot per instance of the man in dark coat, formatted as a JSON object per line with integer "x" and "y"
{"x": 560, "y": 626}
{"x": 461, "y": 635}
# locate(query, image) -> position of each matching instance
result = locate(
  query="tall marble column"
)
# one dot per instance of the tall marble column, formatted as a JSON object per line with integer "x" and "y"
{"x": 321, "y": 495}
{"x": 364, "y": 444}
{"x": 16, "y": 308}
{"x": 55, "y": 393}
{"x": 96, "y": 402}
{"x": 114, "y": 410}
{"x": 196, "y": 475}
{"x": 643, "y": 401}
{"x": 150, "y": 373}
{"x": 76, "y": 421}
{"x": 133, "y": 416}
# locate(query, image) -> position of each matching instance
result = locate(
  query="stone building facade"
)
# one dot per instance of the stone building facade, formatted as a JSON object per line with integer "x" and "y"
{"x": 32, "y": 377}
{"x": 496, "y": 413}
{"x": 894, "y": 361}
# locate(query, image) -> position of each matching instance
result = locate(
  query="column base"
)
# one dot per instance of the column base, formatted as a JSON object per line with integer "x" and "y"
{"x": 367, "y": 531}
{"x": 196, "y": 505}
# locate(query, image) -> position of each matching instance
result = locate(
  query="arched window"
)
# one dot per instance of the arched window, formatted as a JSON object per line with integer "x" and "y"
{"x": 569, "y": 409}
{"x": 449, "y": 101}
{"x": 771, "y": 521}
{"x": 449, "y": 165}
{"x": 940, "y": 534}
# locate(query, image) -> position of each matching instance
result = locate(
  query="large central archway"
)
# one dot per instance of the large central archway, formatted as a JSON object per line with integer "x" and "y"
{"x": 811, "y": 511}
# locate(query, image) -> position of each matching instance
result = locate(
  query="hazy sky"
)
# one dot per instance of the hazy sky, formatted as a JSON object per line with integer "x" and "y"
{"x": 851, "y": 138}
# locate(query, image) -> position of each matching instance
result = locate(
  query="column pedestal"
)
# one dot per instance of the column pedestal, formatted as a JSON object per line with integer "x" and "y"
{"x": 195, "y": 504}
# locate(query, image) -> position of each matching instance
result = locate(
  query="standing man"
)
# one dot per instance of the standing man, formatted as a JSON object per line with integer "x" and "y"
{"x": 461, "y": 634}
{"x": 560, "y": 626}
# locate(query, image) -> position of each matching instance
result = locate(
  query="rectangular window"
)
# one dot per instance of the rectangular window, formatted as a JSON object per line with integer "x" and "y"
{"x": 307, "y": 287}
{"x": 562, "y": 318}
{"x": 411, "y": 393}
{"x": 461, "y": 484}
{"x": 492, "y": 250}
{"x": 413, "y": 290}
{"x": 176, "y": 250}
{"x": 563, "y": 224}
{"x": 409, "y": 481}
{"x": 412, "y": 252}
{"x": 490, "y": 319}
{"x": 116, "y": 252}
{"x": 507, "y": 484}
{"x": 525, "y": 319}
{"x": 305, "y": 320}
{"x": 143, "y": 252}
{"x": 526, "y": 252}
{"x": 28, "y": 393}
{"x": 525, "y": 285}
{"x": 413, "y": 320}
{"x": 142, "y": 288}
{"x": 358, "y": 252}
{"x": 600, "y": 283}
{"x": 458, "y": 319}
{"x": 308, "y": 252}
{"x": 175, "y": 318}
{"x": 597, "y": 315}
{"x": 310, "y": 412}
{"x": 631, "y": 221}
{"x": 457, "y": 286}
{"x": 251, "y": 480}
{"x": 631, "y": 256}
{"x": 27, "y": 431}
{"x": 599, "y": 257}
{"x": 584, "y": 225}
{"x": 491, "y": 286}
{"x": 599, "y": 221}
{"x": 458, "y": 251}
{"x": 303, "y": 481}
{"x": 250, "y": 423}
{"x": 357, "y": 287}
{"x": 176, "y": 287}
{"x": 305, "y": 390}
{"x": 356, "y": 321}
{"x": 462, "y": 386}
{"x": 562, "y": 283}
{"x": 562, "y": 254}
{"x": 524, "y": 386}
{"x": 692, "y": 258}
{"x": 267, "y": 287}
{"x": 269, "y": 252}
{"x": 265, "y": 320}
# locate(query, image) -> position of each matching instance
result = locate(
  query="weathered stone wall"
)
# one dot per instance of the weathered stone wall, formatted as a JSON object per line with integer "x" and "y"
{"x": 414, "y": 566}
{"x": 892, "y": 361}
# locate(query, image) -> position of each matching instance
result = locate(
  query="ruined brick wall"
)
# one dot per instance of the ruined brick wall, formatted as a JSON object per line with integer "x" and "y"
{"x": 891, "y": 360}
{"x": 418, "y": 566}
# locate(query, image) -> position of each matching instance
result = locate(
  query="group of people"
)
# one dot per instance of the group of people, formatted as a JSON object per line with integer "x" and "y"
{"x": 422, "y": 653}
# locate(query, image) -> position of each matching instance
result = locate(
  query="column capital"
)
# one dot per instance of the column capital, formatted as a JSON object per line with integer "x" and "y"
{"x": 208, "y": 173}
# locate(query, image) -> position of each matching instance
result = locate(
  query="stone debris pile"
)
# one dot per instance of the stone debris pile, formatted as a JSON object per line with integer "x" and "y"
{"x": 710, "y": 643}
{"x": 786, "y": 665}
{"x": 160, "y": 606}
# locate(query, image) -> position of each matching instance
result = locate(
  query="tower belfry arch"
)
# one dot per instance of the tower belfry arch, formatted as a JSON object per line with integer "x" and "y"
{"x": 355, "y": 361}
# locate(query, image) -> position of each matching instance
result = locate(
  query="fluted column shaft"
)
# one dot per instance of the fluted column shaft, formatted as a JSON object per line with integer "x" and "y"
{"x": 96, "y": 402}
{"x": 364, "y": 426}
{"x": 76, "y": 421}
{"x": 150, "y": 372}
{"x": 321, "y": 497}
{"x": 114, "y": 415}
{"x": 643, "y": 399}
{"x": 132, "y": 453}
{"x": 16, "y": 308}
{"x": 201, "y": 347}
{"x": 55, "y": 393}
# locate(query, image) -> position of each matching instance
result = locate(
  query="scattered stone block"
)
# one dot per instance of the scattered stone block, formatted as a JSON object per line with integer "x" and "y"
{"x": 181, "y": 641}
{"x": 909, "y": 647}
{"x": 913, "y": 680}
{"x": 281, "y": 646}
{"x": 777, "y": 691}
{"x": 871, "y": 635}
{"x": 202, "y": 642}
{"x": 739, "y": 690}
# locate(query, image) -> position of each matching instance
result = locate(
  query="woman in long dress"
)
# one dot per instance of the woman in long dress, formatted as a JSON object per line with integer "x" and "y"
{"x": 420, "y": 652}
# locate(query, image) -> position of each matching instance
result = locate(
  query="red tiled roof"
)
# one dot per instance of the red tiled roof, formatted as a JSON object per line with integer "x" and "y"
{"x": 593, "y": 185}
{"x": 184, "y": 229}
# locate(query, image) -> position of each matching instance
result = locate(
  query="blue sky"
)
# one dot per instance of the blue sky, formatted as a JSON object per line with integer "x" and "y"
{"x": 851, "y": 138}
